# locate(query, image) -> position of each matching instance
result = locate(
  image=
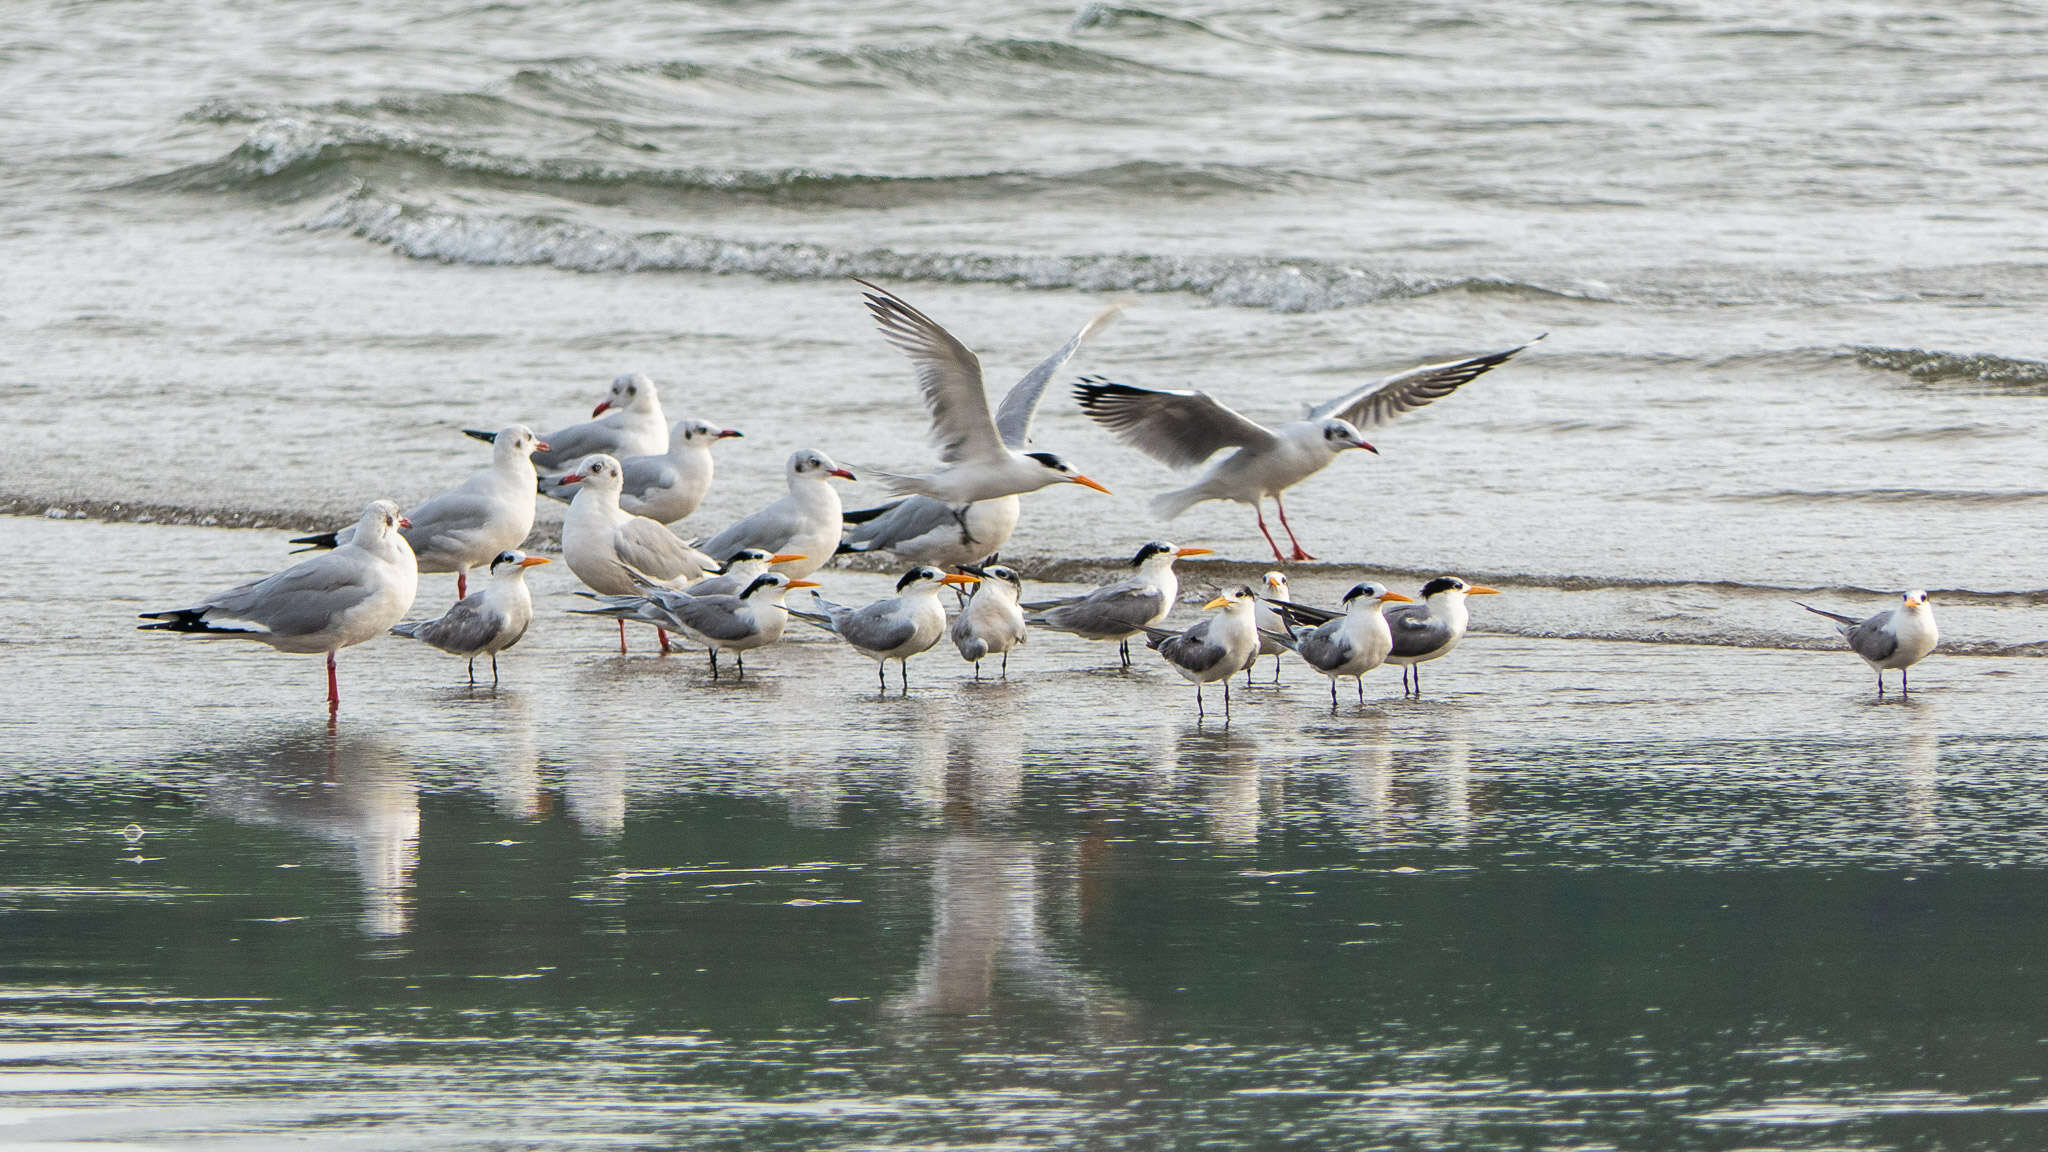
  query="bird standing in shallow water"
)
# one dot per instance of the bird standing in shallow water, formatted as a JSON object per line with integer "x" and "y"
{"x": 1899, "y": 638}
{"x": 1350, "y": 644}
{"x": 992, "y": 621}
{"x": 489, "y": 622}
{"x": 1213, "y": 648}
{"x": 1125, "y": 608}
{"x": 894, "y": 627}
{"x": 1429, "y": 630}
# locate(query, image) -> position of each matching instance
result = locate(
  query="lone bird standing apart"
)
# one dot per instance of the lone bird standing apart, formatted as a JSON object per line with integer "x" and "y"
{"x": 322, "y": 604}
{"x": 1899, "y": 638}
{"x": 1348, "y": 645}
{"x": 487, "y": 623}
{"x": 1182, "y": 429}
{"x": 894, "y": 627}
{"x": 1121, "y": 610}
{"x": 1214, "y": 647}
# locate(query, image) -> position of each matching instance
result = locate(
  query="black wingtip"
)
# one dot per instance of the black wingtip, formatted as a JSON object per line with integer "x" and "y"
{"x": 479, "y": 434}
{"x": 315, "y": 541}
{"x": 863, "y": 515}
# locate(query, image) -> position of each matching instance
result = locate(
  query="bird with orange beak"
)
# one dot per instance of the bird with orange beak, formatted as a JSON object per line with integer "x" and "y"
{"x": 894, "y": 627}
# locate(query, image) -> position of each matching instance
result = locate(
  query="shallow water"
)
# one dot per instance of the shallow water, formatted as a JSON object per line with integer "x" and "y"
{"x": 1648, "y": 867}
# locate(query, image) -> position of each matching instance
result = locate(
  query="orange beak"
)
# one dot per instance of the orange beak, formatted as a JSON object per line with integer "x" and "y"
{"x": 530, "y": 561}
{"x": 805, "y": 584}
{"x": 957, "y": 578}
{"x": 1194, "y": 552}
{"x": 787, "y": 558}
{"x": 1481, "y": 590}
{"x": 1085, "y": 482}
{"x": 1397, "y": 598}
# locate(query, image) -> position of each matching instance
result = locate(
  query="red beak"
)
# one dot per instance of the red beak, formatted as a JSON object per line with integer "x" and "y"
{"x": 571, "y": 478}
{"x": 1367, "y": 447}
{"x": 729, "y": 432}
{"x": 541, "y": 445}
{"x": 842, "y": 473}
{"x": 404, "y": 522}
{"x": 601, "y": 406}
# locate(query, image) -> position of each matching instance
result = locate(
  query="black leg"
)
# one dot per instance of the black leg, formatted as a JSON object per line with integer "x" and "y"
{"x": 1880, "y": 683}
{"x": 1006, "y": 665}
{"x": 1333, "y": 695}
{"x": 977, "y": 669}
{"x": 1361, "y": 688}
{"x": 882, "y": 675}
{"x": 494, "y": 668}
{"x": 472, "y": 669}
{"x": 1198, "y": 703}
{"x": 1902, "y": 683}
{"x": 1248, "y": 671}
{"x": 1226, "y": 699}
{"x": 903, "y": 670}
{"x": 1124, "y": 650}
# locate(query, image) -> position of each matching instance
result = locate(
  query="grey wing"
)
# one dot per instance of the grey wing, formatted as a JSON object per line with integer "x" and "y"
{"x": 1303, "y": 614}
{"x": 1020, "y": 403}
{"x": 876, "y": 628}
{"x": 645, "y": 546}
{"x": 1873, "y": 639}
{"x": 644, "y": 474}
{"x": 466, "y": 627}
{"x": 1325, "y": 648}
{"x": 947, "y": 372}
{"x": 1177, "y": 428}
{"x": 1415, "y": 631}
{"x": 446, "y": 521}
{"x": 1108, "y": 610}
{"x": 971, "y": 646}
{"x": 1192, "y": 649}
{"x": 714, "y": 617}
{"x": 302, "y": 599}
{"x": 572, "y": 444}
{"x": 769, "y": 528}
{"x": 1384, "y": 399}
{"x": 913, "y": 516}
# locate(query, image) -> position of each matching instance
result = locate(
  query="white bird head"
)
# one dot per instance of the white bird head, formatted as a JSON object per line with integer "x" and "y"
{"x": 1370, "y": 595}
{"x": 925, "y": 578}
{"x": 381, "y": 518}
{"x": 632, "y": 392}
{"x": 1915, "y": 600}
{"x": 512, "y": 564}
{"x": 515, "y": 442}
{"x": 1061, "y": 472}
{"x": 1161, "y": 553}
{"x": 811, "y": 464}
{"x": 773, "y": 586}
{"x": 1276, "y": 585}
{"x": 1343, "y": 436}
{"x": 994, "y": 574}
{"x": 699, "y": 432}
{"x": 600, "y": 473}
{"x": 1238, "y": 599}
{"x": 1455, "y": 588}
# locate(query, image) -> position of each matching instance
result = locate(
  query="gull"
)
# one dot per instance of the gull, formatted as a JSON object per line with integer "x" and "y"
{"x": 894, "y": 627}
{"x": 1269, "y": 621}
{"x": 991, "y": 622}
{"x": 322, "y": 604}
{"x": 979, "y": 463}
{"x": 627, "y": 422}
{"x": 1898, "y": 638}
{"x": 605, "y": 545}
{"x": 924, "y": 530}
{"x": 737, "y": 623}
{"x": 1423, "y": 632}
{"x": 469, "y": 524}
{"x": 1214, "y": 647}
{"x": 805, "y": 522}
{"x": 1350, "y": 644}
{"x": 667, "y": 486}
{"x": 487, "y": 623}
{"x": 1125, "y": 608}
{"x": 1182, "y": 429}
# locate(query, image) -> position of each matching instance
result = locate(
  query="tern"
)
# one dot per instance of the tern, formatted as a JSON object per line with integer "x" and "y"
{"x": 322, "y": 604}
{"x": 487, "y": 623}
{"x": 605, "y": 545}
{"x": 471, "y": 523}
{"x": 627, "y": 422}
{"x": 1182, "y": 429}
{"x": 1898, "y": 638}
{"x": 805, "y": 523}
{"x": 736, "y": 623}
{"x": 653, "y": 605}
{"x": 666, "y": 487}
{"x": 1214, "y": 647}
{"x": 1269, "y": 621}
{"x": 1428, "y": 630}
{"x": 979, "y": 463}
{"x": 923, "y": 530}
{"x": 1350, "y": 644}
{"x": 992, "y": 621}
{"x": 1121, "y": 610}
{"x": 894, "y": 627}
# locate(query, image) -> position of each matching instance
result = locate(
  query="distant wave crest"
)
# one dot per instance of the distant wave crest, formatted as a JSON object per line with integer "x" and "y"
{"x": 1943, "y": 367}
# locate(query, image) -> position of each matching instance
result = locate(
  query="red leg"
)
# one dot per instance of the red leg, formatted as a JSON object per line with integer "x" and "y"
{"x": 658, "y": 631}
{"x": 1261, "y": 514}
{"x": 1280, "y": 502}
{"x": 622, "y": 636}
{"x": 461, "y": 583}
{"x": 333, "y": 687}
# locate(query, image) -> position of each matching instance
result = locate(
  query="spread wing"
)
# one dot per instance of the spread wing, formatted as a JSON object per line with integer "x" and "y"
{"x": 1177, "y": 428}
{"x": 949, "y": 374}
{"x": 1020, "y": 403}
{"x": 1382, "y": 400}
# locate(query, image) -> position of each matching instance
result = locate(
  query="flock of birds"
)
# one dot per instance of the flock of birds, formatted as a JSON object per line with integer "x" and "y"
{"x": 627, "y": 474}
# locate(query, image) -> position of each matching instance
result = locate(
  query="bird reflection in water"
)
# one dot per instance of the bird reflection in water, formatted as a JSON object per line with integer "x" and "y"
{"x": 352, "y": 791}
{"x": 1920, "y": 766}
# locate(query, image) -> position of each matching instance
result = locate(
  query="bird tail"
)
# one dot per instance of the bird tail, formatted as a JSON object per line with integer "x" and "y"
{"x": 1301, "y": 613}
{"x": 904, "y": 485}
{"x": 553, "y": 488}
{"x": 1286, "y": 640}
{"x": 188, "y": 620}
{"x": 318, "y": 540}
{"x": 1168, "y": 505}
{"x": 409, "y": 629}
{"x": 863, "y": 515}
{"x": 1154, "y": 637}
{"x": 1837, "y": 617}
